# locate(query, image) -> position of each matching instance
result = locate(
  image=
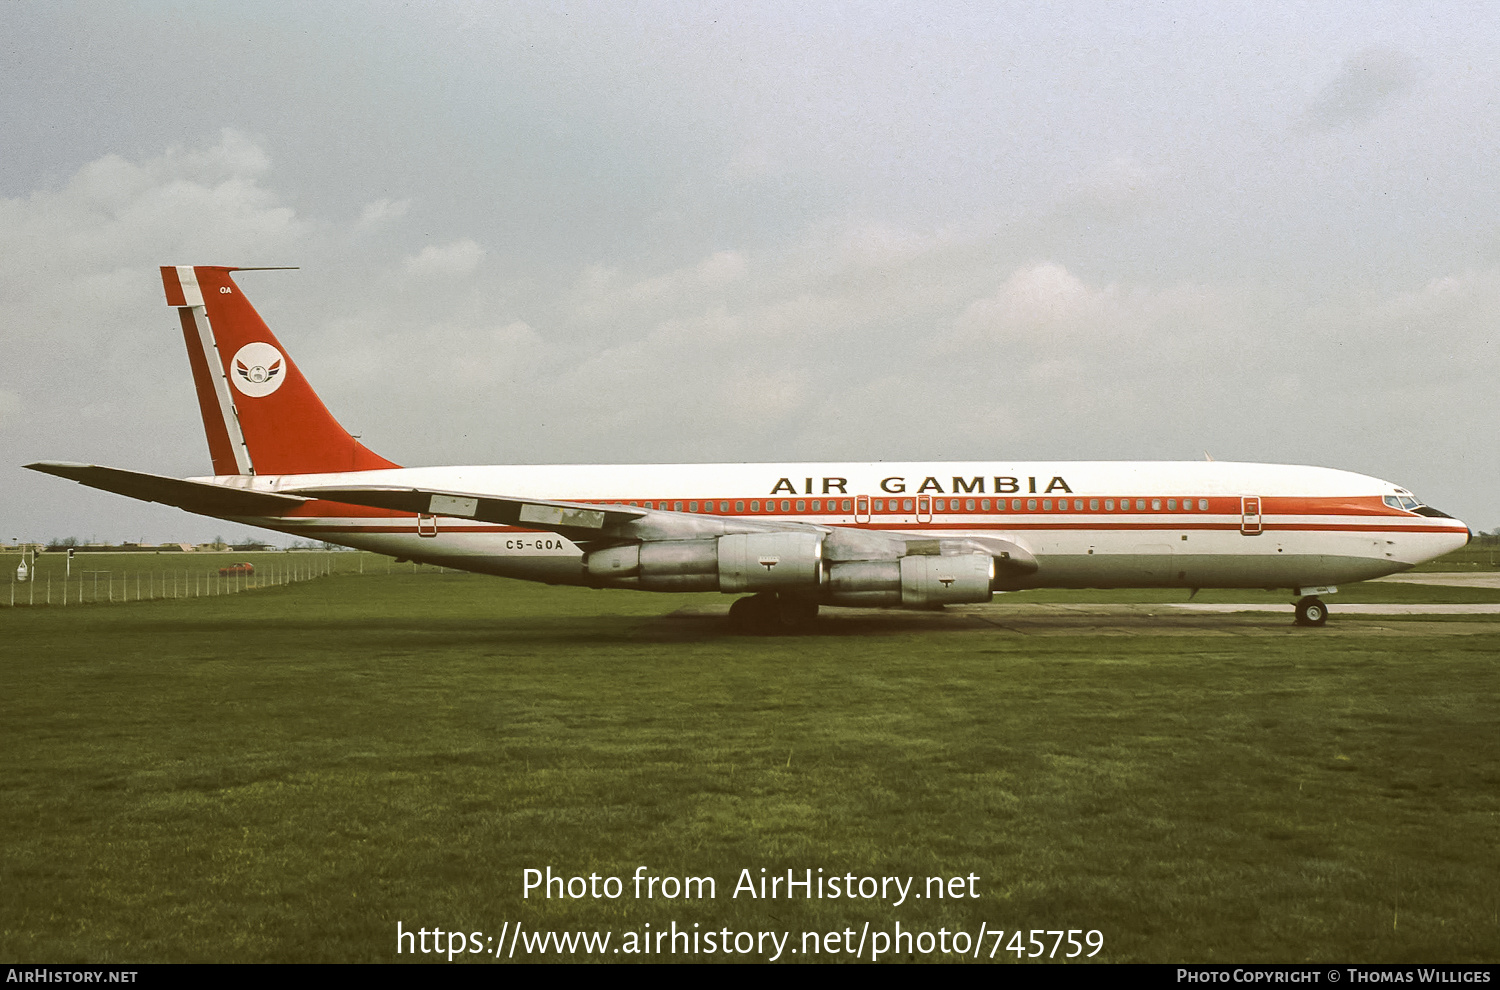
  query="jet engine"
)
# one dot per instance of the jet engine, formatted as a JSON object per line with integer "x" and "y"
{"x": 793, "y": 563}
{"x": 914, "y": 581}
{"x": 740, "y": 562}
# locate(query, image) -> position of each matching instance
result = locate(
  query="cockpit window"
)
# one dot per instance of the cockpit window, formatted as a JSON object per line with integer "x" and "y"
{"x": 1402, "y": 502}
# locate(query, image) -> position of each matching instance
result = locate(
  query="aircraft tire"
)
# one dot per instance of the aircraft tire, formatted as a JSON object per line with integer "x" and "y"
{"x": 747, "y": 615}
{"x": 1311, "y": 611}
{"x": 794, "y": 614}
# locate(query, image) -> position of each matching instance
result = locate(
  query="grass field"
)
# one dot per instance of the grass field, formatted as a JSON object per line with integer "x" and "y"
{"x": 285, "y": 775}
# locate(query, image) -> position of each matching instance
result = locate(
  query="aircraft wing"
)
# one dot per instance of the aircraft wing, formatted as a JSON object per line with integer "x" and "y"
{"x": 615, "y": 524}
{"x": 574, "y": 520}
{"x": 193, "y": 496}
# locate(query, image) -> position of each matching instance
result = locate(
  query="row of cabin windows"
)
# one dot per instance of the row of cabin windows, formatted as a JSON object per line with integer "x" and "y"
{"x": 945, "y": 505}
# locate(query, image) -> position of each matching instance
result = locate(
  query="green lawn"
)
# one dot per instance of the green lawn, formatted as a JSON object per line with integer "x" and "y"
{"x": 284, "y": 775}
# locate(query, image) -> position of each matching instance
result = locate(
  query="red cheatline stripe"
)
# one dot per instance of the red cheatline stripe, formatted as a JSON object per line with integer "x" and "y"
{"x": 448, "y": 527}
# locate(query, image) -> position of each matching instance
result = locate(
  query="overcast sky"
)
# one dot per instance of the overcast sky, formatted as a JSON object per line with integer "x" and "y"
{"x": 683, "y": 232}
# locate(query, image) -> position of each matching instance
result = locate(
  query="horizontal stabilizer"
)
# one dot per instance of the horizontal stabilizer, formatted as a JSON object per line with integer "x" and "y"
{"x": 194, "y": 496}
{"x": 566, "y": 518}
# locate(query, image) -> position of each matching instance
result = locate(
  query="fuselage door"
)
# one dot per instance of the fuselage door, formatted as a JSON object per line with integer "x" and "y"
{"x": 924, "y": 508}
{"x": 1250, "y": 516}
{"x": 862, "y": 508}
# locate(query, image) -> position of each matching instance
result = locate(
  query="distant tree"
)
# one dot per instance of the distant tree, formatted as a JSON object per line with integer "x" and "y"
{"x": 66, "y": 541}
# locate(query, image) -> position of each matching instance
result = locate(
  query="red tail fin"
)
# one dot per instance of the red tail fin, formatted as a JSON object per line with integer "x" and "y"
{"x": 260, "y": 414}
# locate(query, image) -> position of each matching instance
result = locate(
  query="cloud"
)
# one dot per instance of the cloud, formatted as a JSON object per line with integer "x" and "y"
{"x": 194, "y": 206}
{"x": 1044, "y": 309}
{"x": 92, "y": 356}
{"x": 458, "y": 258}
{"x": 382, "y": 212}
{"x": 715, "y": 272}
{"x": 1368, "y": 82}
{"x": 1042, "y": 295}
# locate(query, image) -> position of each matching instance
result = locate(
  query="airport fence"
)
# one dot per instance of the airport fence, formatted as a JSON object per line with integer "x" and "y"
{"x": 115, "y": 578}
{"x": 119, "y": 578}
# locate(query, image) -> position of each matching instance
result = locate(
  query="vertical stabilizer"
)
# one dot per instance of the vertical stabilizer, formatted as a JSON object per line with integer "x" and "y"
{"x": 261, "y": 416}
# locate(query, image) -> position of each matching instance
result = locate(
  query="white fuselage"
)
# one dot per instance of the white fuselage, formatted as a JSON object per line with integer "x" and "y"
{"x": 1088, "y": 524}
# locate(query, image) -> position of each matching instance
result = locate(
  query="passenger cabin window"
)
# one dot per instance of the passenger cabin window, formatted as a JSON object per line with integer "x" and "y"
{"x": 739, "y": 507}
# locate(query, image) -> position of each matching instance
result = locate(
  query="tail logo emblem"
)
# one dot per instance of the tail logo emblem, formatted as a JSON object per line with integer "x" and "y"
{"x": 258, "y": 370}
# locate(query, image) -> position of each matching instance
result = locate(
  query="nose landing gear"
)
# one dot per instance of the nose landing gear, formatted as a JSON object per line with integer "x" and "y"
{"x": 1311, "y": 611}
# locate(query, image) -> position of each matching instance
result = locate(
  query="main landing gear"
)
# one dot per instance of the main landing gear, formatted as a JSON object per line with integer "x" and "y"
{"x": 771, "y": 614}
{"x": 1311, "y": 611}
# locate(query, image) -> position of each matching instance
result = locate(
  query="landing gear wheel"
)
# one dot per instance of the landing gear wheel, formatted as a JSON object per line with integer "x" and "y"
{"x": 794, "y": 614}
{"x": 1312, "y": 612}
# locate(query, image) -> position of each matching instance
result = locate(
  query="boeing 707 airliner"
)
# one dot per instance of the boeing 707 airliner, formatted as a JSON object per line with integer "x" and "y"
{"x": 787, "y": 537}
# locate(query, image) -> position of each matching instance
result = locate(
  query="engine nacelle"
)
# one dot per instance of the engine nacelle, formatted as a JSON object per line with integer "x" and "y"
{"x": 963, "y": 578}
{"x": 770, "y": 561}
{"x": 742, "y": 562}
{"x": 913, "y": 581}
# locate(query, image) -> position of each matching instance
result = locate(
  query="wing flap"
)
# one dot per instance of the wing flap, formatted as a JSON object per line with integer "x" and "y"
{"x": 193, "y": 496}
{"x": 566, "y": 518}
